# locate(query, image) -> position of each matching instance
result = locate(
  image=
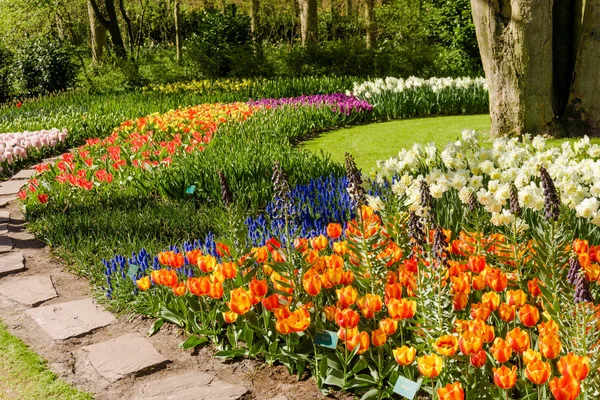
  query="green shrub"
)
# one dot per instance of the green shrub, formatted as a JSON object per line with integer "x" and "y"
{"x": 45, "y": 65}
{"x": 5, "y": 75}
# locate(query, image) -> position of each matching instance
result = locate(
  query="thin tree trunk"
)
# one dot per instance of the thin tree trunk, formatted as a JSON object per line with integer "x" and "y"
{"x": 308, "y": 21}
{"x": 254, "y": 17}
{"x": 583, "y": 110}
{"x": 370, "y": 23}
{"x": 349, "y": 8}
{"x": 128, "y": 24}
{"x": 177, "y": 32}
{"x": 112, "y": 25}
{"x": 97, "y": 35}
{"x": 515, "y": 42}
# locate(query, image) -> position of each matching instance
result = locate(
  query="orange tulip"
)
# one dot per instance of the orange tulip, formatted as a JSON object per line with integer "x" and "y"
{"x": 296, "y": 321}
{"x": 369, "y": 305}
{"x": 330, "y": 312}
{"x": 459, "y": 301}
{"x": 529, "y": 315}
{"x": 518, "y": 340}
{"x": 192, "y": 256}
{"x": 530, "y": 356}
{"x": 548, "y": 327}
{"x": 501, "y": 350}
{"x": 516, "y": 297}
{"x": 347, "y": 334}
{"x": 476, "y": 264}
{"x": 533, "y": 285}
{"x": 574, "y": 365}
{"x": 581, "y": 246}
{"x": 346, "y": 296}
{"x": 470, "y": 343}
{"x": 446, "y": 345}
{"x": 550, "y": 345}
{"x": 334, "y": 231}
{"x": 301, "y": 244}
{"x": 168, "y": 278}
{"x": 271, "y": 303}
{"x": 402, "y": 309}
{"x": 240, "y": 301}
{"x": 260, "y": 254}
{"x": 505, "y": 378}
{"x": 228, "y": 269}
{"x": 230, "y": 317}
{"x": 496, "y": 279}
{"x": 565, "y": 387}
{"x": 312, "y": 284}
{"x": 478, "y": 282}
{"x": 506, "y": 312}
{"x": 430, "y": 366}
{"x": 480, "y": 311}
{"x": 452, "y": 391}
{"x": 340, "y": 248}
{"x": 144, "y": 283}
{"x": 319, "y": 243}
{"x": 393, "y": 291}
{"x": 388, "y": 325}
{"x": 404, "y": 355}
{"x": 207, "y": 263}
{"x": 347, "y": 318}
{"x": 479, "y": 359}
{"x": 461, "y": 283}
{"x": 362, "y": 340}
{"x": 179, "y": 289}
{"x": 379, "y": 337}
{"x": 258, "y": 287}
{"x": 538, "y": 372}
{"x": 491, "y": 300}
{"x": 216, "y": 290}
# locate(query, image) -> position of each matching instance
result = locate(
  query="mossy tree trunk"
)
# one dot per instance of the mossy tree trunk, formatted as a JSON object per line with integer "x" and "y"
{"x": 97, "y": 35}
{"x": 308, "y": 21}
{"x": 370, "y": 23}
{"x": 540, "y": 59}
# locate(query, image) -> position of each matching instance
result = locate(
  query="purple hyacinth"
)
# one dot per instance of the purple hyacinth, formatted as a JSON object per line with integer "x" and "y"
{"x": 338, "y": 102}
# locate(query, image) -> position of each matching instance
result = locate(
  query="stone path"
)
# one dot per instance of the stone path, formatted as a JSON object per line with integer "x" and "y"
{"x": 90, "y": 347}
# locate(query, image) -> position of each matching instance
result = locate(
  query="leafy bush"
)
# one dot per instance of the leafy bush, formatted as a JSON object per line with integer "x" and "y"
{"x": 5, "y": 76}
{"x": 44, "y": 65}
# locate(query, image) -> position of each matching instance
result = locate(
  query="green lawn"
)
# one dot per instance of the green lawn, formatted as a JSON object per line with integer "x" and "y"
{"x": 24, "y": 375}
{"x": 379, "y": 141}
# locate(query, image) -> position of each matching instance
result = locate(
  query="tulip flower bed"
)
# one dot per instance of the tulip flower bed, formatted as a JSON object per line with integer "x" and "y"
{"x": 18, "y": 147}
{"x": 415, "y": 97}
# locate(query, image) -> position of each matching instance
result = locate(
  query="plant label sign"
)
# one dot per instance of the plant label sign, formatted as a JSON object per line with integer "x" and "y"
{"x": 407, "y": 388}
{"x": 191, "y": 189}
{"x": 327, "y": 339}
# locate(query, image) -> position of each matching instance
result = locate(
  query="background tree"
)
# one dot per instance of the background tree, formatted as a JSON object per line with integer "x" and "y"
{"x": 111, "y": 23}
{"x": 308, "y": 21}
{"x": 370, "y": 22}
{"x": 97, "y": 35}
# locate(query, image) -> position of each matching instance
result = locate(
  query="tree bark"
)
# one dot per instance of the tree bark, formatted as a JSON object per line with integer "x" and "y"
{"x": 583, "y": 110}
{"x": 128, "y": 24}
{"x": 112, "y": 25}
{"x": 177, "y": 31}
{"x": 370, "y": 23}
{"x": 254, "y": 17}
{"x": 308, "y": 21}
{"x": 515, "y": 42}
{"x": 97, "y": 35}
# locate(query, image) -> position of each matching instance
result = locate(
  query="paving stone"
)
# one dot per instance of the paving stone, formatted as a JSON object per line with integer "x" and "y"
{"x": 11, "y": 263}
{"x": 29, "y": 290}
{"x": 67, "y": 320}
{"x": 193, "y": 385}
{"x": 6, "y": 244}
{"x": 4, "y": 200}
{"x": 4, "y": 216}
{"x": 10, "y": 187}
{"x": 280, "y": 397}
{"x": 24, "y": 174}
{"x": 119, "y": 357}
{"x": 3, "y": 228}
{"x": 21, "y": 235}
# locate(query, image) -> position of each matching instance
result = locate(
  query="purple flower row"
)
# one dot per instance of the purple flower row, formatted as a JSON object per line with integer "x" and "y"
{"x": 339, "y": 102}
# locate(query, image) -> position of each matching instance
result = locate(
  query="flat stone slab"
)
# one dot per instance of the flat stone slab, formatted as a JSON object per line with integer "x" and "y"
{"x": 3, "y": 228}
{"x": 29, "y": 290}
{"x": 4, "y": 200}
{"x": 11, "y": 187}
{"x": 11, "y": 263}
{"x": 72, "y": 319}
{"x": 24, "y": 174}
{"x": 122, "y": 356}
{"x": 4, "y": 216}
{"x": 193, "y": 385}
{"x": 6, "y": 244}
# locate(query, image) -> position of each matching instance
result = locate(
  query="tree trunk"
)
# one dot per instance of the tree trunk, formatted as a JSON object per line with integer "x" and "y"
{"x": 349, "y": 8}
{"x": 112, "y": 25}
{"x": 308, "y": 21}
{"x": 515, "y": 42}
{"x": 177, "y": 32}
{"x": 97, "y": 35}
{"x": 128, "y": 24}
{"x": 583, "y": 110}
{"x": 254, "y": 17}
{"x": 370, "y": 23}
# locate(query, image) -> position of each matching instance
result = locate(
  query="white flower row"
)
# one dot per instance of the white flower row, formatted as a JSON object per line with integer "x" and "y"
{"x": 15, "y": 146}
{"x": 468, "y": 167}
{"x": 369, "y": 89}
